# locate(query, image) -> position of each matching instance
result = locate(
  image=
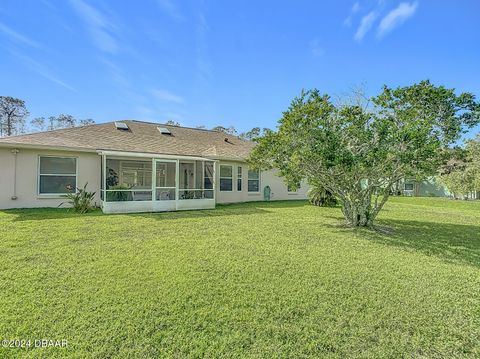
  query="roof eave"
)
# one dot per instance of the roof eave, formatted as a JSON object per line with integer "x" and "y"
{"x": 46, "y": 147}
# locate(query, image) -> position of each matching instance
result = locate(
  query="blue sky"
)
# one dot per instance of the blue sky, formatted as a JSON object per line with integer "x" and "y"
{"x": 224, "y": 62}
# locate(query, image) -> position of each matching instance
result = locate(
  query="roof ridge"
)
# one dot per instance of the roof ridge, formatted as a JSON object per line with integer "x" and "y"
{"x": 177, "y": 126}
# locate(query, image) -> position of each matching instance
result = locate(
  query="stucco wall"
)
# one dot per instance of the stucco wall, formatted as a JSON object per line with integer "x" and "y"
{"x": 88, "y": 165}
{"x": 267, "y": 178}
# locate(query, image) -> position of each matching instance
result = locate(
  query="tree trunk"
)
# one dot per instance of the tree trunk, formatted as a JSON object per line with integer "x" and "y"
{"x": 359, "y": 211}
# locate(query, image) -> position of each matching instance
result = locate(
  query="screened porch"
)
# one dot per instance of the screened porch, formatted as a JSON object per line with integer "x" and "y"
{"x": 132, "y": 183}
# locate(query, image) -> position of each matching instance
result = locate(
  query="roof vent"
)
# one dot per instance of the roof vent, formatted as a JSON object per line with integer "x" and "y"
{"x": 164, "y": 131}
{"x": 121, "y": 126}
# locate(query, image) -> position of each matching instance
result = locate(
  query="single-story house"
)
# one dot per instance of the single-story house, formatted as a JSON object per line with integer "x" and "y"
{"x": 134, "y": 166}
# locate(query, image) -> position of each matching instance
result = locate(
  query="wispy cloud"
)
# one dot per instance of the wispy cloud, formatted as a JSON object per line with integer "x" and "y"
{"x": 396, "y": 17}
{"x": 355, "y": 8}
{"x": 365, "y": 25}
{"x": 17, "y": 37}
{"x": 42, "y": 70}
{"x": 316, "y": 49}
{"x": 98, "y": 25}
{"x": 171, "y": 9}
{"x": 167, "y": 96}
{"x": 203, "y": 60}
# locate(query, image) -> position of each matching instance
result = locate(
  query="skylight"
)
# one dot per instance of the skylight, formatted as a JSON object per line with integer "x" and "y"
{"x": 121, "y": 126}
{"x": 164, "y": 131}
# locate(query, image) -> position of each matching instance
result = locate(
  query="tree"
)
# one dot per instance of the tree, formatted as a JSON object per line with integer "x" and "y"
{"x": 254, "y": 134}
{"x": 37, "y": 124}
{"x": 473, "y": 156}
{"x": 228, "y": 130}
{"x": 58, "y": 122}
{"x": 359, "y": 153}
{"x": 12, "y": 116}
{"x": 172, "y": 123}
{"x": 86, "y": 122}
{"x": 461, "y": 174}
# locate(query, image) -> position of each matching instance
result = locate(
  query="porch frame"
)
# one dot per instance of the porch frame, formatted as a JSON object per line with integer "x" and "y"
{"x": 155, "y": 205}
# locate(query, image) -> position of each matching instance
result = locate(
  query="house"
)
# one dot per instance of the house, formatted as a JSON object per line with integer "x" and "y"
{"x": 134, "y": 166}
{"x": 429, "y": 187}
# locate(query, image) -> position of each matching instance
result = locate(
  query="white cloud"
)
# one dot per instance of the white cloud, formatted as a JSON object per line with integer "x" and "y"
{"x": 16, "y": 37}
{"x": 166, "y": 96}
{"x": 365, "y": 25}
{"x": 396, "y": 17}
{"x": 42, "y": 70}
{"x": 355, "y": 8}
{"x": 98, "y": 25}
{"x": 171, "y": 9}
{"x": 316, "y": 49}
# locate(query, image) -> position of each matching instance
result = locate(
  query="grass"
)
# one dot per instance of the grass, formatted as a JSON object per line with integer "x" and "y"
{"x": 264, "y": 280}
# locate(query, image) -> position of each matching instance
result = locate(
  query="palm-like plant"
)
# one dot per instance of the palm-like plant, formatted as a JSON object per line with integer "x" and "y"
{"x": 81, "y": 200}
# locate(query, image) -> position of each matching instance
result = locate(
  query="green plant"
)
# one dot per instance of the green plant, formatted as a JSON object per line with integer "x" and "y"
{"x": 81, "y": 200}
{"x": 118, "y": 194}
{"x": 320, "y": 196}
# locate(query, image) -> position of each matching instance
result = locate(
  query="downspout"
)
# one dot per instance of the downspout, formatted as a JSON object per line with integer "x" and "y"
{"x": 15, "y": 151}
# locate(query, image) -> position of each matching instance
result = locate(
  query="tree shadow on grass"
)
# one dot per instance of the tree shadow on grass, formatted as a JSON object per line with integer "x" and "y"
{"x": 451, "y": 242}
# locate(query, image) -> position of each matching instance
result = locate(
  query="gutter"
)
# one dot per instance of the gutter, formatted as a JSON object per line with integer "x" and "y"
{"x": 151, "y": 155}
{"x": 46, "y": 147}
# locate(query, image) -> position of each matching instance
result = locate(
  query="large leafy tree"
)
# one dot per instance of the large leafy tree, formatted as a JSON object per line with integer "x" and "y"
{"x": 359, "y": 153}
{"x": 12, "y": 116}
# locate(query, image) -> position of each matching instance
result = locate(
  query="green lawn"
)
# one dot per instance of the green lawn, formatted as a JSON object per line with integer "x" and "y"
{"x": 263, "y": 280}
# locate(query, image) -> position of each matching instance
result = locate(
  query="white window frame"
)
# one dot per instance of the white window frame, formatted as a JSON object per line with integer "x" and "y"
{"x": 58, "y": 195}
{"x": 289, "y": 191}
{"x": 239, "y": 178}
{"x": 220, "y": 178}
{"x": 410, "y": 184}
{"x": 254, "y": 179}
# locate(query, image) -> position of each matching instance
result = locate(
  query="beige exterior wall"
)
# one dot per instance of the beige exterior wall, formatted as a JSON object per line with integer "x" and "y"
{"x": 88, "y": 170}
{"x": 267, "y": 178}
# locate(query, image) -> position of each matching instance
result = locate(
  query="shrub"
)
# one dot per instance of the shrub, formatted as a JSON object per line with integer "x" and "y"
{"x": 320, "y": 196}
{"x": 120, "y": 195}
{"x": 81, "y": 200}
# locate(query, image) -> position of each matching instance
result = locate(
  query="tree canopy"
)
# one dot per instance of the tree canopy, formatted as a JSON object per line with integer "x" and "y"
{"x": 359, "y": 152}
{"x": 13, "y": 113}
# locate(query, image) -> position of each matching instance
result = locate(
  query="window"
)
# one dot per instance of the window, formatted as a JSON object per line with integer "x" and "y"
{"x": 57, "y": 175}
{"x": 253, "y": 180}
{"x": 226, "y": 178}
{"x": 408, "y": 186}
{"x": 239, "y": 178}
{"x": 290, "y": 189}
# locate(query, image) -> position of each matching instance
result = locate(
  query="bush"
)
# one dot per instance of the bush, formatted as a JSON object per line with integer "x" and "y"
{"x": 120, "y": 195}
{"x": 81, "y": 200}
{"x": 319, "y": 196}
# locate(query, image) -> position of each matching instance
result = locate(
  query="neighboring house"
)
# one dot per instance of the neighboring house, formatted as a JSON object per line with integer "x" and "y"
{"x": 426, "y": 188}
{"x": 134, "y": 166}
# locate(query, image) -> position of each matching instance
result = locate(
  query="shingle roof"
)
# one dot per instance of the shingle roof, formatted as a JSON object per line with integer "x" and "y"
{"x": 141, "y": 137}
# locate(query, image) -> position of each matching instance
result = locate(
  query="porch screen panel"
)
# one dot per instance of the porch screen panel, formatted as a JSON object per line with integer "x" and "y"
{"x": 166, "y": 175}
{"x": 208, "y": 179}
{"x": 128, "y": 180}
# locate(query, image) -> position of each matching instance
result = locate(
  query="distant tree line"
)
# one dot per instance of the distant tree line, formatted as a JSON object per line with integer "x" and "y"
{"x": 14, "y": 115}
{"x": 251, "y": 135}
